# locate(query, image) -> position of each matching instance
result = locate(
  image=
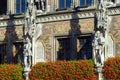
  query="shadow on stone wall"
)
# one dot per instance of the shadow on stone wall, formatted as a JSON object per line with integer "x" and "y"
{"x": 10, "y": 37}
{"x": 74, "y": 32}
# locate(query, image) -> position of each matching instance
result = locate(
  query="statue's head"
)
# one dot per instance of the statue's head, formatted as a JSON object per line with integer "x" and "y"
{"x": 97, "y": 34}
{"x": 27, "y": 39}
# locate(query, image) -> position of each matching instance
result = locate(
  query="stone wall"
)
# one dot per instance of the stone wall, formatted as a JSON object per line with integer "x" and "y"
{"x": 115, "y": 33}
{"x": 50, "y": 30}
{"x": 14, "y": 33}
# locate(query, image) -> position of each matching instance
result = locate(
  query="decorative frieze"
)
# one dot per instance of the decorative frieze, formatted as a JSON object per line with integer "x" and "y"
{"x": 51, "y": 17}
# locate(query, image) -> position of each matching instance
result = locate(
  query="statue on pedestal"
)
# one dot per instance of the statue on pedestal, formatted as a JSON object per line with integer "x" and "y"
{"x": 27, "y": 55}
{"x": 100, "y": 35}
{"x": 98, "y": 48}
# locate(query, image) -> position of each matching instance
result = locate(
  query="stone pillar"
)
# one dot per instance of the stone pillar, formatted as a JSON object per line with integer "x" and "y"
{"x": 99, "y": 73}
{"x": 48, "y": 5}
{"x": 33, "y": 50}
{"x": 72, "y": 3}
{"x": 117, "y": 1}
{"x": 8, "y": 6}
{"x": 53, "y": 4}
{"x": 13, "y": 10}
{"x": 11, "y": 6}
{"x": 29, "y": 37}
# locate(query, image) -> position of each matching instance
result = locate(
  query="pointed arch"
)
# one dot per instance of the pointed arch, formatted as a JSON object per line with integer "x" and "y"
{"x": 39, "y": 52}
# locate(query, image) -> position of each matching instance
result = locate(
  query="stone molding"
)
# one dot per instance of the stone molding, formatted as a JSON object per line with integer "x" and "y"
{"x": 59, "y": 16}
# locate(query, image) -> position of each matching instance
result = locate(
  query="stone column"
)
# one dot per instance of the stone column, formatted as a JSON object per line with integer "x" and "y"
{"x": 11, "y": 6}
{"x": 77, "y": 3}
{"x": 8, "y": 6}
{"x": 48, "y": 5}
{"x": 29, "y": 30}
{"x": 33, "y": 50}
{"x": 117, "y": 1}
{"x": 52, "y": 4}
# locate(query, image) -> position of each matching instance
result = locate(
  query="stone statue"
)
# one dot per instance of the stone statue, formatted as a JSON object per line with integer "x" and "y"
{"x": 98, "y": 48}
{"x": 41, "y": 4}
{"x": 101, "y": 30}
{"x": 102, "y": 14}
{"x": 27, "y": 54}
{"x": 29, "y": 32}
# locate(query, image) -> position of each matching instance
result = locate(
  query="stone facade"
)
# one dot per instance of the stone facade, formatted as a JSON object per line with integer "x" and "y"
{"x": 59, "y": 24}
{"x": 53, "y": 29}
{"x": 16, "y": 31}
{"x": 115, "y": 33}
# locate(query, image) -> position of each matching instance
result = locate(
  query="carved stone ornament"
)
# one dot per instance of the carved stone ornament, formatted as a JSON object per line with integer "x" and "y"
{"x": 29, "y": 31}
{"x": 101, "y": 30}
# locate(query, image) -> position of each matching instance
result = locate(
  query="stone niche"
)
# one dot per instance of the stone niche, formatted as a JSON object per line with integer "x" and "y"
{"x": 39, "y": 52}
{"x": 110, "y": 47}
{"x": 115, "y": 33}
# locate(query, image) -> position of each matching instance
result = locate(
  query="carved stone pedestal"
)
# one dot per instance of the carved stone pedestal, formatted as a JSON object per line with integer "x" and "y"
{"x": 26, "y": 74}
{"x": 99, "y": 73}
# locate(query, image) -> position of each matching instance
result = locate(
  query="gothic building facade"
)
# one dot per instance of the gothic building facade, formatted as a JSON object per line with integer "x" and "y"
{"x": 64, "y": 30}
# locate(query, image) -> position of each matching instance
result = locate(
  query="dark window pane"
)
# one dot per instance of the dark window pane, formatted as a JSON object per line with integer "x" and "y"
{"x": 82, "y": 2}
{"x": 23, "y": 5}
{"x": 68, "y": 3}
{"x": 2, "y": 53}
{"x": 62, "y": 4}
{"x": 113, "y": 1}
{"x": 64, "y": 49}
{"x": 17, "y": 6}
{"x": 89, "y": 2}
{"x": 18, "y": 52}
{"x": 3, "y": 7}
{"x": 85, "y": 48}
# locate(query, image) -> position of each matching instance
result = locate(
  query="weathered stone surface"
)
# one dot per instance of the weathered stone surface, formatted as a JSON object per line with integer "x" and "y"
{"x": 60, "y": 28}
{"x": 14, "y": 33}
{"x": 115, "y": 23}
{"x": 115, "y": 32}
{"x": 39, "y": 51}
{"x": 49, "y": 30}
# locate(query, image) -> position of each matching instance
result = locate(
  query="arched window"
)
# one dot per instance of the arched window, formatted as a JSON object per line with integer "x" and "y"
{"x": 39, "y": 52}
